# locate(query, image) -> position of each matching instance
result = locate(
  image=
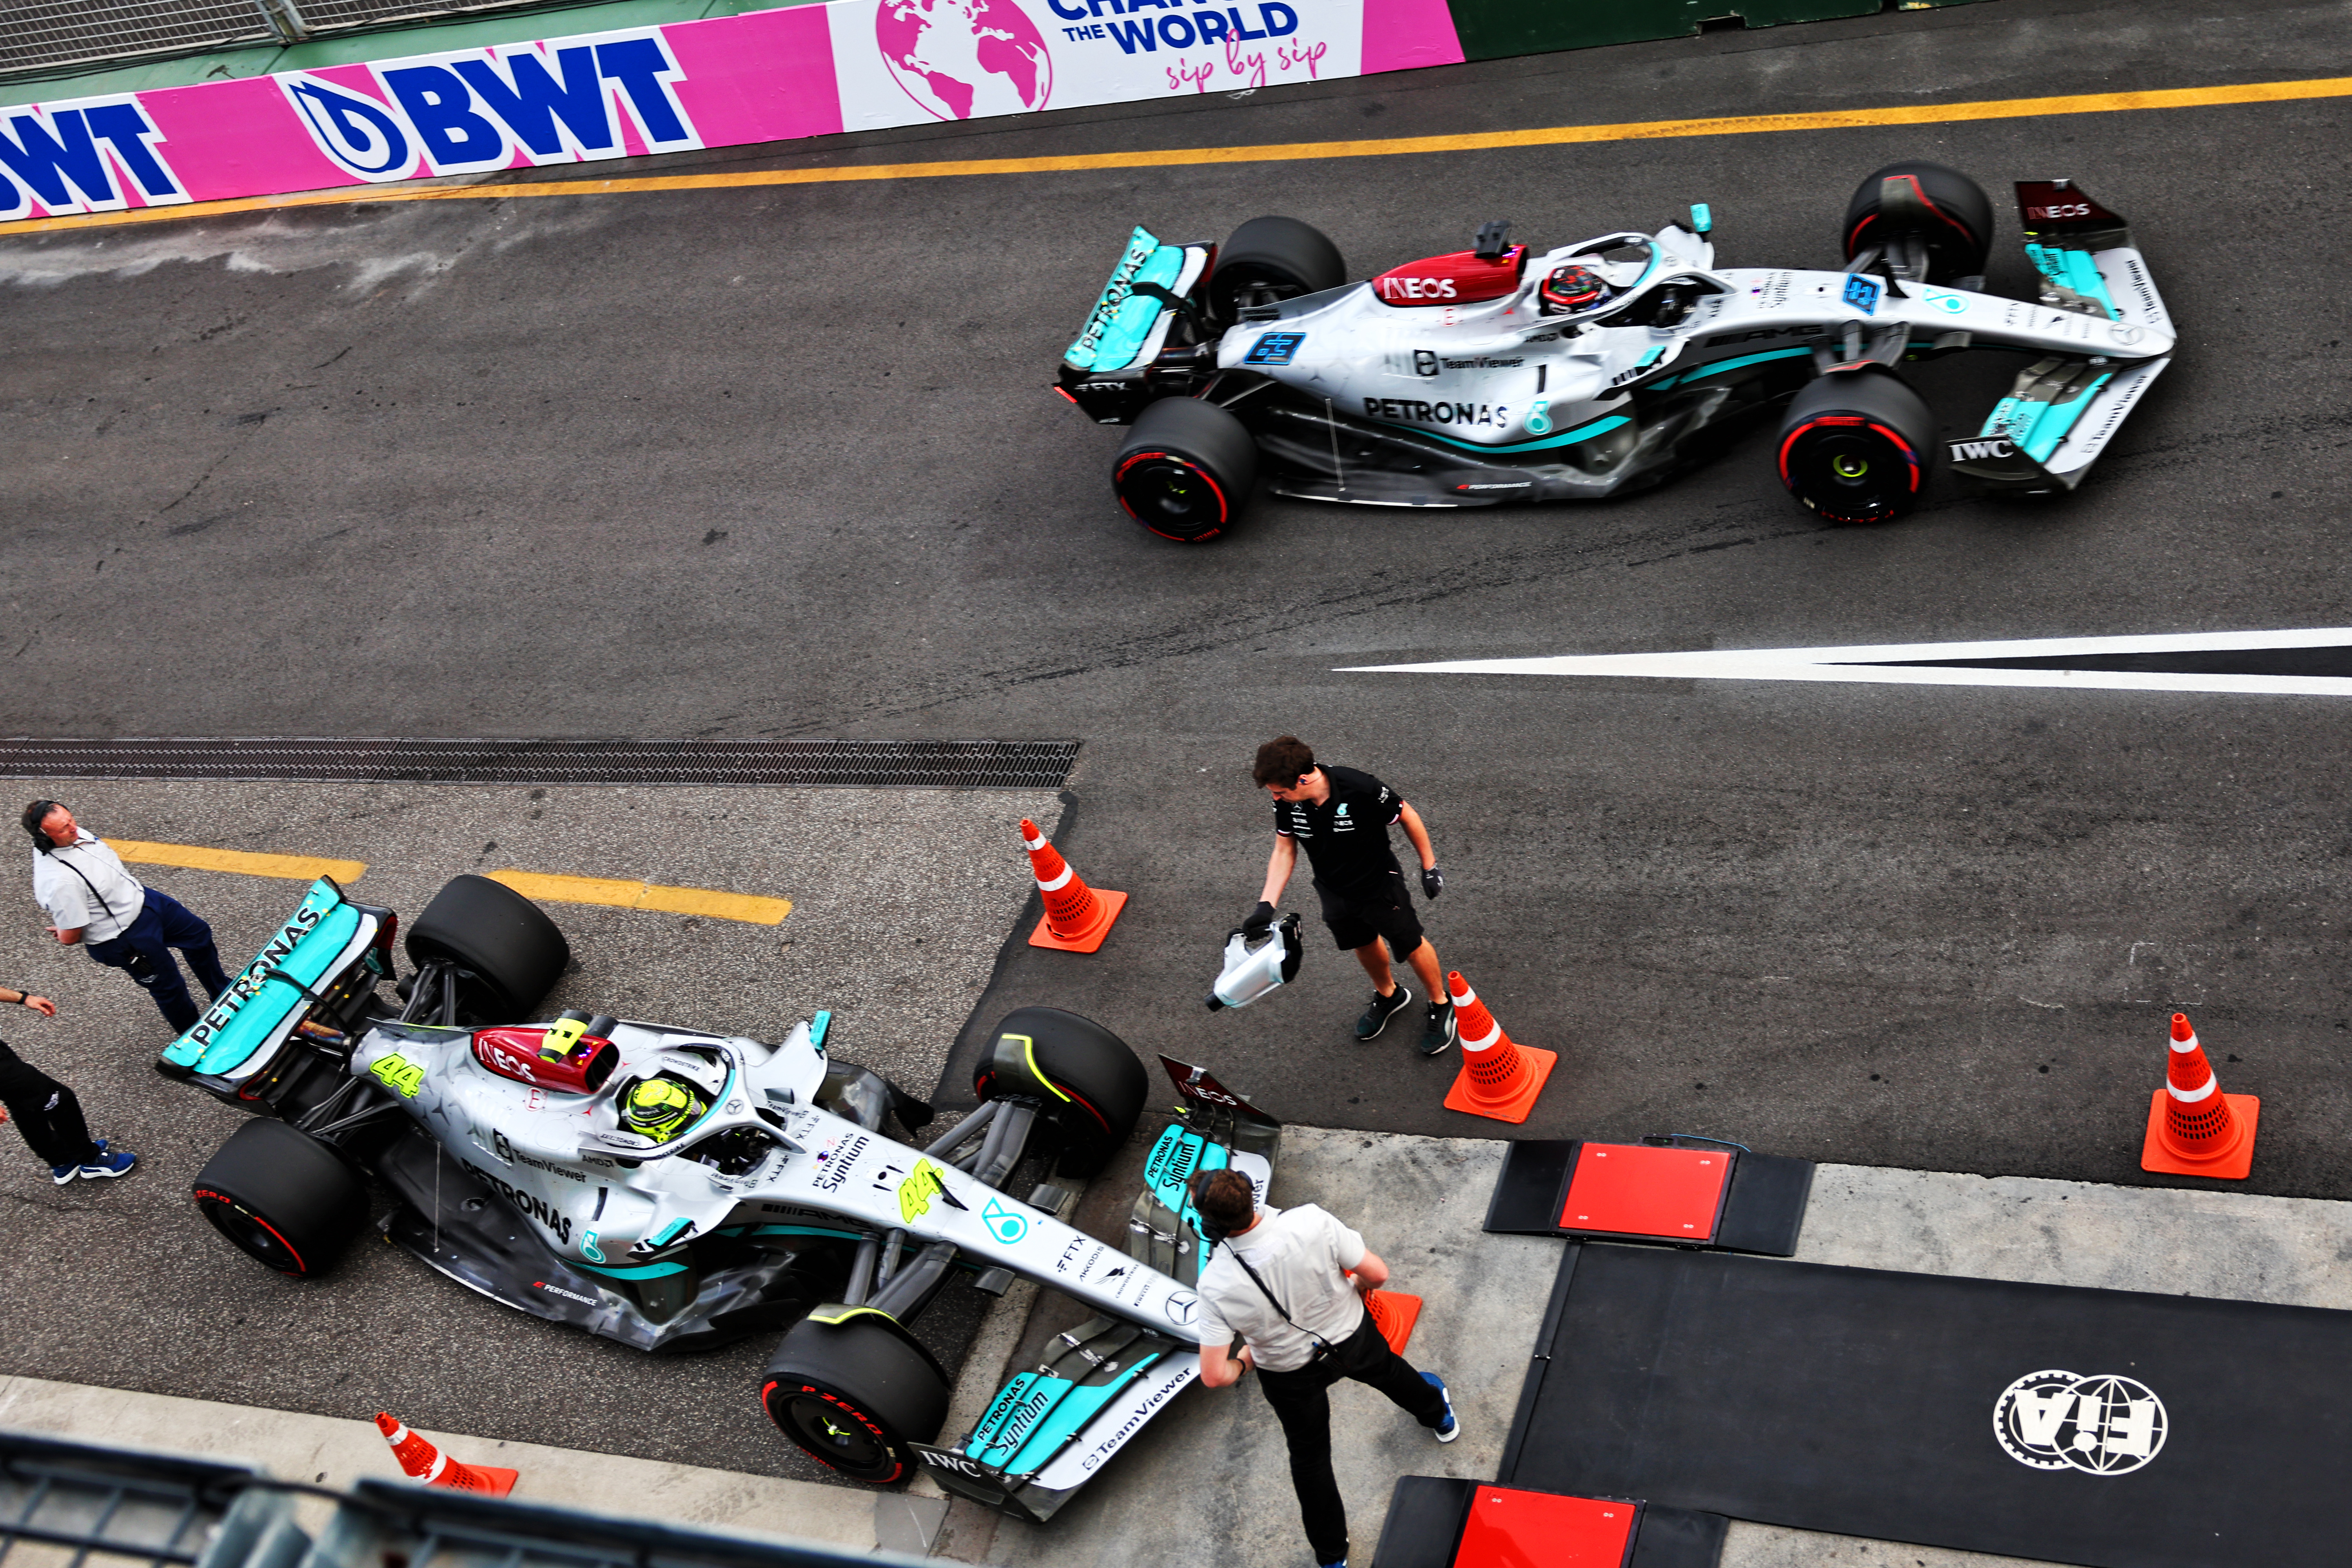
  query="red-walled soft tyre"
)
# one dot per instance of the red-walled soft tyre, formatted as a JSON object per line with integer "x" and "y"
{"x": 1957, "y": 231}
{"x": 854, "y": 1396}
{"x": 285, "y": 1199}
{"x": 1856, "y": 446}
{"x": 1185, "y": 469}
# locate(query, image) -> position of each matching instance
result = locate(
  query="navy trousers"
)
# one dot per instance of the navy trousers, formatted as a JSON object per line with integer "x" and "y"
{"x": 45, "y": 1111}
{"x": 144, "y": 952}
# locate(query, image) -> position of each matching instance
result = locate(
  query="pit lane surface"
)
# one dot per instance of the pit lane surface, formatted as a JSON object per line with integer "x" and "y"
{"x": 783, "y": 462}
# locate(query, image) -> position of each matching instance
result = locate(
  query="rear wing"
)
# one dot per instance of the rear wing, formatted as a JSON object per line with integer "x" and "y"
{"x": 1122, "y": 360}
{"x": 240, "y": 1032}
{"x": 2063, "y": 410}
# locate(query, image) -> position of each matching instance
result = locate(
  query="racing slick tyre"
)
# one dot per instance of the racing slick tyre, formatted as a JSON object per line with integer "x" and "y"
{"x": 1957, "y": 231}
{"x": 1856, "y": 445}
{"x": 853, "y": 1393}
{"x": 514, "y": 952}
{"x": 1185, "y": 469}
{"x": 1079, "y": 1077}
{"x": 1271, "y": 259}
{"x": 284, "y": 1198}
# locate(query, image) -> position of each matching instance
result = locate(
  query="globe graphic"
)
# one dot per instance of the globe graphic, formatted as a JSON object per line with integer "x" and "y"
{"x": 958, "y": 58}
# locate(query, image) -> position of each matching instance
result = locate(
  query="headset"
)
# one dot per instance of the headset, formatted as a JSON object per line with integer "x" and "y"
{"x": 1209, "y": 1232}
{"x": 34, "y": 815}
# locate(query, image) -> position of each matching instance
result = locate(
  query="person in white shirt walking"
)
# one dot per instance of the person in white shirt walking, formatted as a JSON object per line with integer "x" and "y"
{"x": 1289, "y": 1284}
{"x": 94, "y": 901}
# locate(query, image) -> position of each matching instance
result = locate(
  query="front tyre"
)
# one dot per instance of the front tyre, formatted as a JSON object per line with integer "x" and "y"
{"x": 854, "y": 1395}
{"x": 1951, "y": 218}
{"x": 1185, "y": 469}
{"x": 1856, "y": 446}
{"x": 282, "y": 1197}
{"x": 1079, "y": 1077}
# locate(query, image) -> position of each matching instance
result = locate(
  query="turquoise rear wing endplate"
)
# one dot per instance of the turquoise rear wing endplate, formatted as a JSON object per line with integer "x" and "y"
{"x": 269, "y": 996}
{"x": 1125, "y": 328}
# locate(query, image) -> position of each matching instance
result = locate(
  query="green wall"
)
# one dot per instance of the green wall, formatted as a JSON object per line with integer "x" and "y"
{"x": 1493, "y": 29}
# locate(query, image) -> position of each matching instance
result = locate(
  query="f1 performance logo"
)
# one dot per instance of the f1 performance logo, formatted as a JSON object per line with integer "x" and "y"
{"x": 481, "y": 110}
{"x": 2100, "y": 1425}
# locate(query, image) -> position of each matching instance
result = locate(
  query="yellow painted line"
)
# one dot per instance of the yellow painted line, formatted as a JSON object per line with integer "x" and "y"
{"x": 293, "y": 867}
{"x": 745, "y": 907}
{"x": 1273, "y": 152}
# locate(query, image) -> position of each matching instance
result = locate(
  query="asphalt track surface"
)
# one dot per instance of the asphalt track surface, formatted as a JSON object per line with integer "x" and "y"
{"x": 781, "y": 461}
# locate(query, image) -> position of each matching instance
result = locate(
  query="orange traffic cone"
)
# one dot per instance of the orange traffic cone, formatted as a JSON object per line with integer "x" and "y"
{"x": 2193, "y": 1129}
{"x": 1078, "y": 916}
{"x": 1393, "y": 1314}
{"x": 1498, "y": 1079}
{"x": 426, "y": 1463}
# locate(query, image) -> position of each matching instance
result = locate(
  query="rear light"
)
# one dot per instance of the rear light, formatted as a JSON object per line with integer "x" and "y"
{"x": 1066, "y": 393}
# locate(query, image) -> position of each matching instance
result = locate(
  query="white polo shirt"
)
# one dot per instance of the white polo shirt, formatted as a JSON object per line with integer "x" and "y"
{"x": 105, "y": 899}
{"x": 1300, "y": 1253}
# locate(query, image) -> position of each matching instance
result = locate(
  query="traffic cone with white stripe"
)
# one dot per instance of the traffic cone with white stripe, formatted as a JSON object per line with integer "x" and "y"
{"x": 1498, "y": 1078}
{"x": 423, "y": 1462}
{"x": 1078, "y": 916}
{"x": 2193, "y": 1129}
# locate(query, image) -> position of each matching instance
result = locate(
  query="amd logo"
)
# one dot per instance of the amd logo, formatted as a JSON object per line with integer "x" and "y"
{"x": 1968, "y": 451}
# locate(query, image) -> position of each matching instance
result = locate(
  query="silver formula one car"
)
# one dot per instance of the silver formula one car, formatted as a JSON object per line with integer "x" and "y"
{"x": 675, "y": 1189}
{"x": 1495, "y": 375}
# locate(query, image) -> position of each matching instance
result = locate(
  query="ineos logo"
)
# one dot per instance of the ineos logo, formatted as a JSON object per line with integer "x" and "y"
{"x": 2101, "y": 1424}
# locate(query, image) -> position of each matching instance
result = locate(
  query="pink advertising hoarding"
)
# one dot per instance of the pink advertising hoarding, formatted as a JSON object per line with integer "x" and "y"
{"x": 768, "y": 76}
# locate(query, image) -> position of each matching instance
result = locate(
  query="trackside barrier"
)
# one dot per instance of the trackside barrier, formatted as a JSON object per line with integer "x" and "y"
{"x": 115, "y": 1507}
{"x": 1496, "y": 29}
{"x": 765, "y": 76}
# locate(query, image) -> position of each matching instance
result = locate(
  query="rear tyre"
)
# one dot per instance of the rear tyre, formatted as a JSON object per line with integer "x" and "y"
{"x": 1185, "y": 469}
{"x": 514, "y": 952}
{"x": 1077, "y": 1076}
{"x": 1272, "y": 258}
{"x": 1856, "y": 446}
{"x": 1957, "y": 231}
{"x": 854, "y": 1396}
{"x": 282, "y": 1197}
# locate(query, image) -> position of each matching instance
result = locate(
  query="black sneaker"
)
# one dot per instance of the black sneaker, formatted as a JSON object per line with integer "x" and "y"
{"x": 1441, "y": 1031}
{"x": 1376, "y": 1016}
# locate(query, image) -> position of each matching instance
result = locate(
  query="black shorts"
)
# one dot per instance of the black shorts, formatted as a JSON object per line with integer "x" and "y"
{"x": 1358, "y": 919}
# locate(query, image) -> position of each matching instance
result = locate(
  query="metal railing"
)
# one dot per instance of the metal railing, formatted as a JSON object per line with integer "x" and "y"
{"x": 46, "y": 36}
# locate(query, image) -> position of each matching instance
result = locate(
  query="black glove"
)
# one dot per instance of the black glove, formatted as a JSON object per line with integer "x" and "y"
{"x": 1432, "y": 882}
{"x": 1260, "y": 921}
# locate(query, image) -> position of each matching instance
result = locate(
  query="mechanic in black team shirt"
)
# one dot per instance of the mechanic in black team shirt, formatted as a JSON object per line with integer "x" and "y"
{"x": 1343, "y": 817}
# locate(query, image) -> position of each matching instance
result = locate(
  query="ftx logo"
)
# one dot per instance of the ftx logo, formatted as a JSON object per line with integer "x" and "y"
{"x": 480, "y": 109}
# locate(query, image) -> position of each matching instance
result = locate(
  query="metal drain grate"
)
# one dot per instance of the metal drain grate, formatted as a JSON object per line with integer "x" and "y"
{"x": 849, "y": 765}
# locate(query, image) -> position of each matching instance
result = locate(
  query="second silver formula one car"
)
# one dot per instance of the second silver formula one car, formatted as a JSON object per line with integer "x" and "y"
{"x": 1498, "y": 374}
{"x": 675, "y": 1189}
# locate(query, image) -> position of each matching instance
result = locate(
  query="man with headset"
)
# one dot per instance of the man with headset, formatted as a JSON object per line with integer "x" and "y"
{"x": 92, "y": 900}
{"x": 1288, "y": 1285}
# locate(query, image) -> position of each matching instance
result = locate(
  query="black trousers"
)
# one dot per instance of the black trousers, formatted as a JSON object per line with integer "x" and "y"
{"x": 144, "y": 952}
{"x": 1302, "y": 1401}
{"x": 45, "y": 1111}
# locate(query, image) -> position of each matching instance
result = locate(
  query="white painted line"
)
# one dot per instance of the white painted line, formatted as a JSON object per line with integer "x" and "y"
{"x": 1883, "y": 663}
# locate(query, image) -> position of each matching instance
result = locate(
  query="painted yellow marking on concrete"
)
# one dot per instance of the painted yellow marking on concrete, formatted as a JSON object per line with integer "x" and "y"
{"x": 1274, "y": 153}
{"x": 746, "y": 906}
{"x": 292, "y": 867}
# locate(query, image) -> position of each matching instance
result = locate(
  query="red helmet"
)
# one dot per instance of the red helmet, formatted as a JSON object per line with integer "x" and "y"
{"x": 1571, "y": 288}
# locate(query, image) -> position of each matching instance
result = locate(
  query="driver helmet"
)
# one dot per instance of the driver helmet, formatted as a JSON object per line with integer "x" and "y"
{"x": 679, "y": 1090}
{"x": 661, "y": 1106}
{"x": 1571, "y": 288}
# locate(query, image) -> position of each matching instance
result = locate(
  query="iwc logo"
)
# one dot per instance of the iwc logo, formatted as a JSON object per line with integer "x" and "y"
{"x": 2100, "y": 1425}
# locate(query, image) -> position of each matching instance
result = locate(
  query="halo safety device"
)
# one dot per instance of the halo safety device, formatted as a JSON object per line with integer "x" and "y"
{"x": 1251, "y": 972}
{"x": 1571, "y": 288}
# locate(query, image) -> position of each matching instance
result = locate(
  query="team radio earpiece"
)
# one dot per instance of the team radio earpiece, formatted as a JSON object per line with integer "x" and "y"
{"x": 34, "y": 815}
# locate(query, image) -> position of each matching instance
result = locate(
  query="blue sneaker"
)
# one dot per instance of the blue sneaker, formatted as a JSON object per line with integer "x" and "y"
{"x": 1449, "y": 1428}
{"x": 115, "y": 1163}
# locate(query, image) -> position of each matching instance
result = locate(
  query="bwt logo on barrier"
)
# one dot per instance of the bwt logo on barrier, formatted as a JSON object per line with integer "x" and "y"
{"x": 85, "y": 159}
{"x": 467, "y": 113}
